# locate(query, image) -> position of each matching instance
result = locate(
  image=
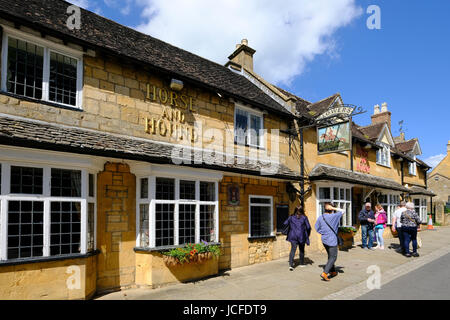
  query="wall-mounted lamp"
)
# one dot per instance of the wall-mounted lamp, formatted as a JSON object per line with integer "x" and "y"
{"x": 176, "y": 85}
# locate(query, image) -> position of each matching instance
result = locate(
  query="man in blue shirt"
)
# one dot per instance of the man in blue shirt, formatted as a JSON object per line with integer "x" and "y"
{"x": 367, "y": 220}
{"x": 327, "y": 225}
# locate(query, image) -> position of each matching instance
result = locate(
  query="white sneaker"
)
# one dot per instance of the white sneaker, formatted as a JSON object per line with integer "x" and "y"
{"x": 291, "y": 269}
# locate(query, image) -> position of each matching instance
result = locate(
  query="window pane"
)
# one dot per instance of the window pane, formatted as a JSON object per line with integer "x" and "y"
{"x": 65, "y": 220}
{"x": 91, "y": 227}
{"x": 324, "y": 193}
{"x": 187, "y": 190}
{"x": 25, "y": 229}
{"x": 144, "y": 188}
{"x": 63, "y": 79}
{"x": 144, "y": 225}
{"x": 186, "y": 223}
{"x": 241, "y": 126}
{"x": 207, "y": 229}
{"x": 260, "y": 221}
{"x": 66, "y": 183}
{"x": 91, "y": 185}
{"x": 164, "y": 224}
{"x": 165, "y": 189}
{"x": 25, "y": 65}
{"x": 255, "y": 127}
{"x": 260, "y": 200}
{"x": 207, "y": 191}
{"x": 26, "y": 180}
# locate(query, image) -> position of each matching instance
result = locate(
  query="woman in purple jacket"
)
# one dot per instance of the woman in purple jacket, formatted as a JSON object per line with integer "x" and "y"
{"x": 299, "y": 231}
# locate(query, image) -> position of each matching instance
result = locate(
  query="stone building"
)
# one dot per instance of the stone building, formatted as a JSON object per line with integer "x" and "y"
{"x": 439, "y": 178}
{"x": 116, "y": 146}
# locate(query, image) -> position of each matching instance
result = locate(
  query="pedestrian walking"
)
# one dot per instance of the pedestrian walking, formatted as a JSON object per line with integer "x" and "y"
{"x": 298, "y": 235}
{"x": 367, "y": 220}
{"x": 397, "y": 225}
{"x": 380, "y": 224}
{"x": 410, "y": 224}
{"x": 327, "y": 225}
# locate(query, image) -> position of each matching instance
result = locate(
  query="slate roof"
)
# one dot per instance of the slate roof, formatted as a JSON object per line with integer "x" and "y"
{"x": 421, "y": 190}
{"x": 112, "y": 38}
{"x": 37, "y": 134}
{"x": 326, "y": 172}
{"x": 406, "y": 146}
{"x": 372, "y": 131}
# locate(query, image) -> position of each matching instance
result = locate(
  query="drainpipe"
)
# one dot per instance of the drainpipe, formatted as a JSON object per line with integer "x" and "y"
{"x": 302, "y": 171}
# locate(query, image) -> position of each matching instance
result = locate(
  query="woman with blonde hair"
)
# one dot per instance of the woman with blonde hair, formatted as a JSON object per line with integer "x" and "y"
{"x": 380, "y": 224}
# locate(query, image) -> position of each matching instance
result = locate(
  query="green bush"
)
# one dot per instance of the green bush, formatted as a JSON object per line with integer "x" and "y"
{"x": 347, "y": 229}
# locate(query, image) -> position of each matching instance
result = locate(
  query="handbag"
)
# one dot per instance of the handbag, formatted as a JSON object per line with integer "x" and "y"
{"x": 339, "y": 239}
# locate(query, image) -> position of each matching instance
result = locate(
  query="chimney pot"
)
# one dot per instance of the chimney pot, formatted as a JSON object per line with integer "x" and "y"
{"x": 376, "y": 109}
{"x": 244, "y": 42}
{"x": 448, "y": 147}
{"x": 384, "y": 107}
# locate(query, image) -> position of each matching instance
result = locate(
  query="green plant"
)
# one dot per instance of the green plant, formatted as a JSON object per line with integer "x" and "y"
{"x": 190, "y": 251}
{"x": 347, "y": 229}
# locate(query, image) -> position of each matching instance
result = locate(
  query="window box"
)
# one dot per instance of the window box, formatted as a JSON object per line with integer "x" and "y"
{"x": 191, "y": 253}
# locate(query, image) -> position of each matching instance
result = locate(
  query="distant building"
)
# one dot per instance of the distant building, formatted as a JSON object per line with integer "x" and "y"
{"x": 439, "y": 179}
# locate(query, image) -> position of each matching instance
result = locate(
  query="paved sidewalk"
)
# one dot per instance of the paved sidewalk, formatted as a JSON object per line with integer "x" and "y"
{"x": 273, "y": 280}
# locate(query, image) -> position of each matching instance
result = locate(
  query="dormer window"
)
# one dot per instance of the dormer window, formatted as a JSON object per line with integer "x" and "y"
{"x": 412, "y": 166}
{"x": 384, "y": 156}
{"x": 248, "y": 127}
{"x": 39, "y": 69}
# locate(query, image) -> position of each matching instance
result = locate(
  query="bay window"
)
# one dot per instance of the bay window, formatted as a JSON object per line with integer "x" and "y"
{"x": 248, "y": 127}
{"x": 420, "y": 206}
{"x": 175, "y": 211}
{"x": 340, "y": 198}
{"x": 39, "y": 69}
{"x": 46, "y": 211}
{"x": 389, "y": 202}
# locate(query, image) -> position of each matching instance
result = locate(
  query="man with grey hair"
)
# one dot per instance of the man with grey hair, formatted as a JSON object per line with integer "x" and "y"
{"x": 397, "y": 224}
{"x": 367, "y": 219}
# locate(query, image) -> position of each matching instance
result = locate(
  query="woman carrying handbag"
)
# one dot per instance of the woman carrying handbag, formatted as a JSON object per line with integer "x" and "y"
{"x": 297, "y": 230}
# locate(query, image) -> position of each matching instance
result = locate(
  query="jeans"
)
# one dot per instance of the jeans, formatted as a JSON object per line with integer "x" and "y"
{"x": 292, "y": 253}
{"x": 364, "y": 230}
{"x": 401, "y": 238}
{"x": 409, "y": 234}
{"x": 332, "y": 257}
{"x": 379, "y": 234}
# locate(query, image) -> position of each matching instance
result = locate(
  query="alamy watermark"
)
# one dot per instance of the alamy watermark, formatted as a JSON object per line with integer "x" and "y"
{"x": 74, "y": 20}
{"x": 374, "y": 280}
{"x": 374, "y": 20}
{"x": 73, "y": 282}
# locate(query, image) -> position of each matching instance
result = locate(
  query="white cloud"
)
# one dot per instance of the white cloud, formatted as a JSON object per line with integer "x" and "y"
{"x": 285, "y": 35}
{"x": 433, "y": 161}
{"x": 80, "y": 3}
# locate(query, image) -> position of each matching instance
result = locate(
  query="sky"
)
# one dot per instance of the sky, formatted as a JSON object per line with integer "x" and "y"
{"x": 317, "y": 48}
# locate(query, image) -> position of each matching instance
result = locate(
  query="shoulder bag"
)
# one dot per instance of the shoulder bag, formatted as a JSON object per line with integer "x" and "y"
{"x": 339, "y": 239}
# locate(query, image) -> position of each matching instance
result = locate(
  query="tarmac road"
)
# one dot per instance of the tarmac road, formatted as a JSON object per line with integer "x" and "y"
{"x": 429, "y": 282}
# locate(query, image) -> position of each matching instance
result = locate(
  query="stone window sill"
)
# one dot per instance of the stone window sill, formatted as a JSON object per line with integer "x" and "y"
{"x": 261, "y": 237}
{"x": 14, "y": 262}
{"x": 48, "y": 103}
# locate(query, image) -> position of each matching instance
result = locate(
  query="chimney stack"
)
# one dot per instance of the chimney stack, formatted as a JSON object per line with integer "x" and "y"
{"x": 242, "y": 57}
{"x": 448, "y": 147}
{"x": 383, "y": 116}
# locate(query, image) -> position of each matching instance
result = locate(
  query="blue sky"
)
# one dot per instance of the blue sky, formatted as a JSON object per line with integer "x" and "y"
{"x": 406, "y": 63}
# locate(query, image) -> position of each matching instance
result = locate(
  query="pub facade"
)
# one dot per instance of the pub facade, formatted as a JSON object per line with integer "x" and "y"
{"x": 116, "y": 147}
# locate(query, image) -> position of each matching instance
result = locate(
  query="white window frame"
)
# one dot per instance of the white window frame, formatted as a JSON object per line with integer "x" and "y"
{"x": 250, "y": 205}
{"x": 422, "y": 209}
{"x": 343, "y": 204}
{"x": 412, "y": 167}
{"x": 384, "y": 152}
{"x": 250, "y": 112}
{"x": 152, "y": 201}
{"x": 391, "y": 205}
{"x": 46, "y": 198}
{"x": 48, "y": 47}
